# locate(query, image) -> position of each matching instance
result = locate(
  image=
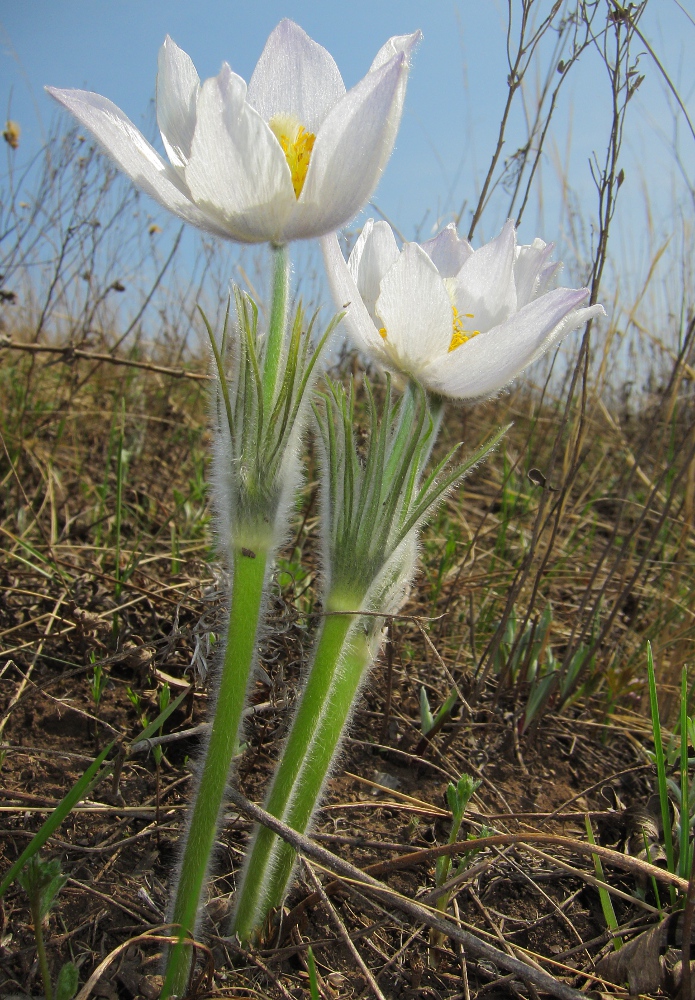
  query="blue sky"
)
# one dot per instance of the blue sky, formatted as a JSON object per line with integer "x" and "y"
{"x": 456, "y": 91}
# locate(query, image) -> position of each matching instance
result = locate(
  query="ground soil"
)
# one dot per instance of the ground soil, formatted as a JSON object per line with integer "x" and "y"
{"x": 386, "y": 798}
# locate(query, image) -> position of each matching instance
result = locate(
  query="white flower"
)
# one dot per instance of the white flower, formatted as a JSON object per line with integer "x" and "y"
{"x": 293, "y": 156}
{"x": 463, "y": 322}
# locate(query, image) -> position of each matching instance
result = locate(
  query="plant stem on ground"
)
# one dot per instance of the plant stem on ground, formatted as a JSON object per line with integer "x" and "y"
{"x": 342, "y": 658}
{"x": 246, "y": 604}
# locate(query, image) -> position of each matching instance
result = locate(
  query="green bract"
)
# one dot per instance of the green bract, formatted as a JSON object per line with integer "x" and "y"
{"x": 257, "y": 427}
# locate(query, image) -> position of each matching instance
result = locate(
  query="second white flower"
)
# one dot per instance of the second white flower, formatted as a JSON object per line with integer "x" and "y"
{"x": 462, "y": 322}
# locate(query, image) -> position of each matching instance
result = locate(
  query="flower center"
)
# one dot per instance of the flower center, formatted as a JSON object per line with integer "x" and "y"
{"x": 460, "y": 335}
{"x": 296, "y": 144}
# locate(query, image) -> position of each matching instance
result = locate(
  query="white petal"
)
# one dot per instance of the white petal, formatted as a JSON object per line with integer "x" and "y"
{"x": 351, "y": 149}
{"x": 134, "y": 155}
{"x": 346, "y": 297}
{"x": 237, "y": 169}
{"x": 528, "y": 265}
{"x": 176, "y": 96}
{"x": 295, "y": 76}
{"x": 396, "y": 44}
{"x": 447, "y": 252}
{"x": 356, "y": 252}
{"x": 485, "y": 364}
{"x": 373, "y": 254}
{"x": 415, "y": 309}
{"x": 484, "y": 287}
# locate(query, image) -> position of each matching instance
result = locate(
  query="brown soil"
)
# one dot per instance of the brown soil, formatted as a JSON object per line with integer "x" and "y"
{"x": 119, "y": 849}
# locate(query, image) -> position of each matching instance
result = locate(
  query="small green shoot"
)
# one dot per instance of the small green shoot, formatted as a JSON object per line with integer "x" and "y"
{"x": 136, "y": 701}
{"x": 42, "y": 881}
{"x": 164, "y": 699}
{"x": 97, "y": 682}
{"x": 313, "y": 978}
{"x": 458, "y": 796}
{"x": 429, "y": 723}
{"x": 156, "y": 724}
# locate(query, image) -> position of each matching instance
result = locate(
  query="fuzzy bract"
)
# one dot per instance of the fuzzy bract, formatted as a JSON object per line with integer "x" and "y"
{"x": 291, "y": 156}
{"x": 462, "y": 322}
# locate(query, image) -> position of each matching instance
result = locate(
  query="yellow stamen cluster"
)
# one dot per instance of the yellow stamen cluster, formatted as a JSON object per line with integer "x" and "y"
{"x": 296, "y": 144}
{"x": 382, "y": 332}
{"x": 460, "y": 334}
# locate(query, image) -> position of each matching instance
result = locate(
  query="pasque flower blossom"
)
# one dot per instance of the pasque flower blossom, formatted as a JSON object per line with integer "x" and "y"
{"x": 291, "y": 156}
{"x": 462, "y": 322}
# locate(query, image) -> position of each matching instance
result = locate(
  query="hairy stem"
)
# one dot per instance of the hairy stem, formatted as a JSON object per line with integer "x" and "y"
{"x": 342, "y": 657}
{"x": 278, "y": 322}
{"x": 246, "y": 603}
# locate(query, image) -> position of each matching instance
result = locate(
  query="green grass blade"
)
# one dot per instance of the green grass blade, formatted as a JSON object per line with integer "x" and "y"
{"x": 606, "y": 901}
{"x": 313, "y": 978}
{"x": 88, "y": 780}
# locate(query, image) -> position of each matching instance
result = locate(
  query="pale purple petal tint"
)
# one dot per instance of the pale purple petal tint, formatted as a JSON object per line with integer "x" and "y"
{"x": 488, "y": 362}
{"x": 293, "y": 156}
{"x": 464, "y": 323}
{"x": 447, "y": 252}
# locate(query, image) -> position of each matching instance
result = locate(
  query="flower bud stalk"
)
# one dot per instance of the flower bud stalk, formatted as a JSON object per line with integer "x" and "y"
{"x": 372, "y": 511}
{"x": 258, "y": 414}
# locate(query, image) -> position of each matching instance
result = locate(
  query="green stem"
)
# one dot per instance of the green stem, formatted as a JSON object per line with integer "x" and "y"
{"x": 246, "y": 600}
{"x": 436, "y": 408}
{"x": 40, "y": 948}
{"x": 342, "y": 657}
{"x": 278, "y": 322}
